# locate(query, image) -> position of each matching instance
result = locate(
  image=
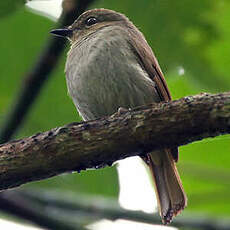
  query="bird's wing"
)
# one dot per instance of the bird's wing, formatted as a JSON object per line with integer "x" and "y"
{"x": 149, "y": 63}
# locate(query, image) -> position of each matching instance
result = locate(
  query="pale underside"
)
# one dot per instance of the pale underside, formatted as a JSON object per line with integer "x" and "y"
{"x": 104, "y": 75}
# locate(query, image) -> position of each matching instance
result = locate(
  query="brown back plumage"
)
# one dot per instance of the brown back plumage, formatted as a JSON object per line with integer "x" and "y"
{"x": 168, "y": 186}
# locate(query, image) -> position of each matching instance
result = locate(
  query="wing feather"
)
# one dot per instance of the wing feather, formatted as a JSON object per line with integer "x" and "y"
{"x": 149, "y": 63}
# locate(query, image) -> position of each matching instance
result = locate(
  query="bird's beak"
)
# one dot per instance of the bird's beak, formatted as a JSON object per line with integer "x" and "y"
{"x": 62, "y": 32}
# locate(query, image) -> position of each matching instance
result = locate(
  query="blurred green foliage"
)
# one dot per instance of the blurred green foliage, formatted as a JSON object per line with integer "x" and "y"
{"x": 193, "y": 35}
{"x": 23, "y": 41}
{"x": 10, "y": 6}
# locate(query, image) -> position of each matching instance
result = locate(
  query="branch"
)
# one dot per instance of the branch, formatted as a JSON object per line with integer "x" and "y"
{"x": 40, "y": 72}
{"x": 15, "y": 204}
{"x": 107, "y": 208}
{"x": 97, "y": 143}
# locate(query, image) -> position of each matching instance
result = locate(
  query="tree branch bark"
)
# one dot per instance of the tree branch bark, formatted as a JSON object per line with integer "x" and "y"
{"x": 98, "y": 143}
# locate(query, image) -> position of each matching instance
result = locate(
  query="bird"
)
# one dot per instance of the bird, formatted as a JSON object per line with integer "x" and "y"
{"x": 111, "y": 66}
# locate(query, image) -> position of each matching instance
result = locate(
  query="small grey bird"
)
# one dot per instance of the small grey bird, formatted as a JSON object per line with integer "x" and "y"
{"x": 110, "y": 66}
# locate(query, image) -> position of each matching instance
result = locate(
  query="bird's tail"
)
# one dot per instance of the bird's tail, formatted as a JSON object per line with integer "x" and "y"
{"x": 170, "y": 193}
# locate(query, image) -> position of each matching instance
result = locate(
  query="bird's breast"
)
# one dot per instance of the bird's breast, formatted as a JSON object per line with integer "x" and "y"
{"x": 103, "y": 74}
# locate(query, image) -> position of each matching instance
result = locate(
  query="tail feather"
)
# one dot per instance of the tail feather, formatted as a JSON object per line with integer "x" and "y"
{"x": 170, "y": 194}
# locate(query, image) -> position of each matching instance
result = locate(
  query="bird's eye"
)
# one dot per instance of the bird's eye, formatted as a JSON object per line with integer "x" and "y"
{"x": 90, "y": 21}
